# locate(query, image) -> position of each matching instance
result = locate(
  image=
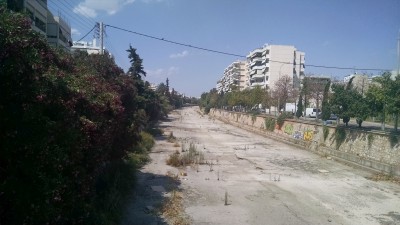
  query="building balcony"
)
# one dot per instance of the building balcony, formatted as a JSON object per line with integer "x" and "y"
{"x": 258, "y": 76}
{"x": 260, "y": 67}
{"x": 252, "y": 72}
{"x": 255, "y": 84}
{"x": 256, "y": 61}
{"x": 235, "y": 75}
{"x": 257, "y": 51}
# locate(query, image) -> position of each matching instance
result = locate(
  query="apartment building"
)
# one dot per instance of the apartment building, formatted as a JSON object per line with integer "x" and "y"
{"x": 268, "y": 63}
{"x": 54, "y": 28}
{"x": 361, "y": 82}
{"x": 37, "y": 11}
{"x": 235, "y": 77}
{"x": 58, "y": 32}
{"x": 89, "y": 47}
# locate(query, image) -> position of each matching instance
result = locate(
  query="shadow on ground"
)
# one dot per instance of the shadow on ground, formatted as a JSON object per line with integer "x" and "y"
{"x": 148, "y": 199}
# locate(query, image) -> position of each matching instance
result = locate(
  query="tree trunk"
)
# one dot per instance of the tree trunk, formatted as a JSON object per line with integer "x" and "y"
{"x": 396, "y": 118}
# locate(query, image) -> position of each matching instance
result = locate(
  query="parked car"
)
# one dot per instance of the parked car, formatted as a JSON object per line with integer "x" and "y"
{"x": 312, "y": 112}
{"x": 333, "y": 117}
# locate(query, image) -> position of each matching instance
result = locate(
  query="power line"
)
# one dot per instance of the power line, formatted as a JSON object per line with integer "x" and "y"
{"x": 174, "y": 42}
{"x": 237, "y": 55}
{"x": 86, "y": 16}
{"x": 87, "y": 33}
{"x": 67, "y": 12}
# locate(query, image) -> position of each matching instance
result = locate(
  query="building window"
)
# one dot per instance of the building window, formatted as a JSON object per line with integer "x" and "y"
{"x": 40, "y": 24}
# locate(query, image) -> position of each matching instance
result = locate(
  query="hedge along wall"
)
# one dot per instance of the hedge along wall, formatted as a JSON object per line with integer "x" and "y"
{"x": 379, "y": 152}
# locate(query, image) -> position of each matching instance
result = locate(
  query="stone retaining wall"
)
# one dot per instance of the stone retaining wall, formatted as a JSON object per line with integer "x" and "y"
{"x": 373, "y": 150}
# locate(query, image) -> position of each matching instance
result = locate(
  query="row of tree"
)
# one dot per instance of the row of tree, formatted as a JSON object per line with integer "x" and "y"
{"x": 381, "y": 100}
{"x": 283, "y": 92}
{"x": 342, "y": 99}
{"x": 67, "y": 124}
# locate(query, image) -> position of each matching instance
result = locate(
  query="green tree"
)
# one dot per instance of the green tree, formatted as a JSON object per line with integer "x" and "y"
{"x": 67, "y": 121}
{"x": 341, "y": 101}
{"x": 383, "y": 97}
{"x": 299, "y": 111}
{"x": 359, "y": 107}
{"x": 326, "y": 110}
{"x": 136, "y": 69}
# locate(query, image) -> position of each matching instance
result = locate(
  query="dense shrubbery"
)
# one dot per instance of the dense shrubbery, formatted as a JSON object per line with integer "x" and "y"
{"x": 282, "y": 117}
{"x": 270, "y": 123}
{"x": 67, "y": 123}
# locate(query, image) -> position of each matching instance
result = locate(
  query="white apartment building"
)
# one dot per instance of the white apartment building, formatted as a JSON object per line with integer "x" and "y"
{"x": 268, "y": 63}
{"x": 89, "y": 47}
{"x": 55, "y": 29}
{"x": 37, "y": 11}
{"x": 361, "y": 82}
{"x": 58, "y": 32}
{"x": 235, "y": 76}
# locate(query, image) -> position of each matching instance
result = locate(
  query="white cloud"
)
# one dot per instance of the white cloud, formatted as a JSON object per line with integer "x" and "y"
{"x": 75, "y": 32}
{"x": 162, "y": 73}
{"x": 326, "y": 43}
{"x": 179, "y": 55}
{"x": 90, "y": 8}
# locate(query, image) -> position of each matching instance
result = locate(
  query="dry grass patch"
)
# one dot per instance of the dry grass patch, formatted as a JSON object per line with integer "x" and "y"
{"x": 188, "y": 157}
{"x": 172, "y": 209}
{"x": 171, "y": 138}
{"x": 384, "y": 177}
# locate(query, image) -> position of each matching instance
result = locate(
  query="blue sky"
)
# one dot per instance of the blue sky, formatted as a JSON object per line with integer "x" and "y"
{"x": 342, "y": 33}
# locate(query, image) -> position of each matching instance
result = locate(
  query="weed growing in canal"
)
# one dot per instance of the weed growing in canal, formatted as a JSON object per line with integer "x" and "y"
{"x": 326, "y": 132}
{"x": 340, "y": 136}
{"x": 171, "y": 138}
{"x": 269, "y": 123}
{"x": 370, "y": 139}
{"x": 172, "y": 208}
{"x": 393, "y": 140}
{"x": 189, "y": 156}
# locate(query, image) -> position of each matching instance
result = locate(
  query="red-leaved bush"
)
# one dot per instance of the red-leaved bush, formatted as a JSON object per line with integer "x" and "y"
{"x": 64, "y": 119}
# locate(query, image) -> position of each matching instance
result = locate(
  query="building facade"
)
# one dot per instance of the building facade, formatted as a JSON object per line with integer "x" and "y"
{"x": 268, "y": 63}
{"x": 58, "y": 32}
{"x": 37, "y": 11}
{"x": 235, "y": 77}
{"x": 89, "y": 47}
{"x": 54, "y": 28}
{"x": 361, "y": 82}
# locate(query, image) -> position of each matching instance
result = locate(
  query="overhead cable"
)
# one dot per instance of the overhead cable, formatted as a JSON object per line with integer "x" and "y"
{"x": 237, "y": 55}
{"x": 87, "y": 33}
{"x": 174, "y": 42}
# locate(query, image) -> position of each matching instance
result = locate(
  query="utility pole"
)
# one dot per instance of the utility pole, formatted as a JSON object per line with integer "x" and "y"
{"x": 398, "y": 53}
{"x": 101, "y": 37}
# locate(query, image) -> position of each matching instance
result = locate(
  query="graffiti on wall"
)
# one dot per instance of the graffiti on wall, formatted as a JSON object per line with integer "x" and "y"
{"x": 288, "y": 129}
{"x": 308, "y": 135}
{"x": 297, "y": 135}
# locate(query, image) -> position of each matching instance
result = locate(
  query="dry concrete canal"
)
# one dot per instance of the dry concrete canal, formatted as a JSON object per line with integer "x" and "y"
{"x": 261, "y": 180}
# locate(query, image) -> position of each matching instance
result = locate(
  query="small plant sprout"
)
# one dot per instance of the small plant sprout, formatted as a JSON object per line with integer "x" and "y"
{"x": 226, "y": 197}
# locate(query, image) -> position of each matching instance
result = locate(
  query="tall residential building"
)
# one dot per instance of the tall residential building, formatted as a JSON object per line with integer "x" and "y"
{"x": 54, "y": 28}
{"x": 268, "y": 63}
{"x": 234, "y": 77}
{"x": 37, "y": 11}
{"x": 58, "y": 32}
